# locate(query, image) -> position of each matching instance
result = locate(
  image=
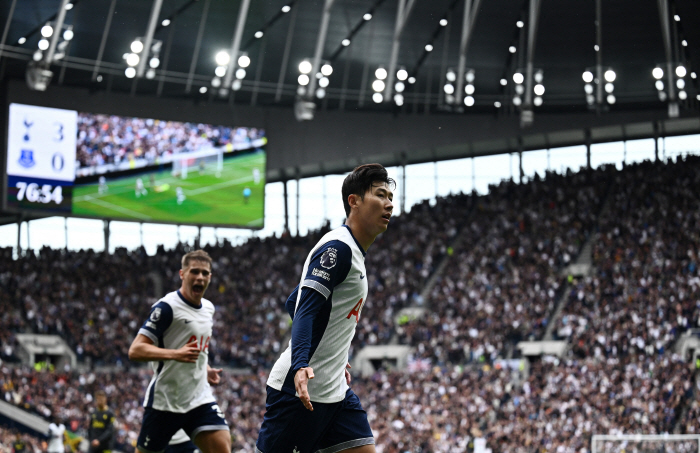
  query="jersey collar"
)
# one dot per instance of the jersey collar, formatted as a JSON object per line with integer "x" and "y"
{"x": 358, "y": 244}
{"x": 188, "y": 302}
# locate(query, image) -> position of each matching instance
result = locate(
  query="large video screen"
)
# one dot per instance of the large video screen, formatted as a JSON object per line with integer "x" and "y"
{"x": 81, "y": 164}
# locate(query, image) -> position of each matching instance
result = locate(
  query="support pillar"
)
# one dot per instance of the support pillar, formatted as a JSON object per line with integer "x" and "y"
{"x": 235, "y": 46}
{"x": 404, "y": 10}
{"x": 148, "y": 39}
{"x": 286, "y": 206}
{"x": 106, "y": 235}
{"x": 320, "y": 43}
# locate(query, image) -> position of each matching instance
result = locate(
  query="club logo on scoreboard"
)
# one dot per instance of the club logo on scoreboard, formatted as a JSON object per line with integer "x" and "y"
{"x": 26, "y": 158}
{"x": 27, "y": 124}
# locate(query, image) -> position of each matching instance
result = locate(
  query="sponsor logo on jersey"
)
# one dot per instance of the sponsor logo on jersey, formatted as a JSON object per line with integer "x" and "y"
{"x": 155, "y": 316}
{"x": 319, "y": 273}
{"x": 329, "y": 258}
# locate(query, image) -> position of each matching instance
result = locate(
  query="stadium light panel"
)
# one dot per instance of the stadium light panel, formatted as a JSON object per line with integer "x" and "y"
{"x": 222, "y": 58}
{"x": 244, "y": 61}
{"x": 305, "y": 67}
{"x": 46, "y": 31}
{"x": 136, "y": 46}
{"x": 378, "y": 85}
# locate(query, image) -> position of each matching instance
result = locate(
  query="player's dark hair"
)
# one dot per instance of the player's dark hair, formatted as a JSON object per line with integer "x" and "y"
{"x": 196, "y": 255}
{"x": 362, "y": 179}
{"x": 100, "y": 393}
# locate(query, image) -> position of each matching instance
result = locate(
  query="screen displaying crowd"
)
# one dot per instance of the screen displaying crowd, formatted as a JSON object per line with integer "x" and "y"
{"x": 113, "y": 143}
{"x": 496, "y": 266}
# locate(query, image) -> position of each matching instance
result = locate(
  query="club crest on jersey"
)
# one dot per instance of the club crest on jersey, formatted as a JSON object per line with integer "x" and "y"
{"x": 329, "y": 258}
{"x": 155, "y": 316}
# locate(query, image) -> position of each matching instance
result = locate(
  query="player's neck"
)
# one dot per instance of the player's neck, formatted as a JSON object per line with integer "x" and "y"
{"x": 102, "y": 408}
{"x": 361, "y": 236}
{"x": 190, "y": 298}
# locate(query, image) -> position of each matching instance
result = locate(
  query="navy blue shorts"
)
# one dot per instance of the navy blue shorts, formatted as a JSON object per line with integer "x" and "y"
{"x": 158, "y": 427}
{"x": 289, "y": 427}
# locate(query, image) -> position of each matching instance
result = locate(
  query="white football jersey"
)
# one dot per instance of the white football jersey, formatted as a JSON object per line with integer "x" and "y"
{"x": 335, "y": 268}
{"x": 173, "y": 323}
{"x": 56, "y": 438}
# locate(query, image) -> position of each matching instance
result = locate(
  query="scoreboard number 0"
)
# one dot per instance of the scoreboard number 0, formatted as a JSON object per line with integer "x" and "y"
{"x": 39, "y": 194}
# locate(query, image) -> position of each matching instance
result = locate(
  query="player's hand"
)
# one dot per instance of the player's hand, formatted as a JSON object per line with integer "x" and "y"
{"x": 189, "y": 353}
{"x": 301, "y": 381}
{"x": 95, "y": 443}
{"x": 213, "y": 377}
{"x": 348, "y": 378}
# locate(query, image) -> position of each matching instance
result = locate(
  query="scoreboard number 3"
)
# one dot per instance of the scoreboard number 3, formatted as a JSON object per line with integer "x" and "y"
{"x": 36, "y": 194}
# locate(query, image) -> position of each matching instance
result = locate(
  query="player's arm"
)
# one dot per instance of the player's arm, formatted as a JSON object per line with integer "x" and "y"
{"x": 291, "y": 303}
{"x": 328, "y": 267}
{"x": 146, "y": 346}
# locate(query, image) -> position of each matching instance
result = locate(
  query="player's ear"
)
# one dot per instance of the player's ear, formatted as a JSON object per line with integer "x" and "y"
{"x": 354, "y": 200}
{"x": 182, "y": 274}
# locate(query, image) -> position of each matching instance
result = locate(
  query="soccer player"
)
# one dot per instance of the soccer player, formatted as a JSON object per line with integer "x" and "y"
{"x": 175, "y": 339}
{"x": 56, "y": 432}
{"x": 102, "y": 187}
{"x": 140, "y": 189}
{"x": 246, "y": 194}
{"x": 310, "y": 406}
{"x": 101, "y": 432}
{"x": 19, "y": 445}
{"x": 180, "y": 194}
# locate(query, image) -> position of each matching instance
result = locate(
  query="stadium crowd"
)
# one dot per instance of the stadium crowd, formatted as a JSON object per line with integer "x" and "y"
{"x": 505, "y": 255}
{"x": 109, "y": 139}
{"x": 503, "y": 281}
{"x": 645, "y": 289}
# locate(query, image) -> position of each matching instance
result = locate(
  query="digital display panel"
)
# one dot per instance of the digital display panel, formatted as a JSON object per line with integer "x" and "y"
{"x": 105, "y": 166}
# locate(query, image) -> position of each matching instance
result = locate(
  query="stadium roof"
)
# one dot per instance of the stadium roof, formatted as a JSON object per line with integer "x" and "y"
{"x": 631, "y": 40}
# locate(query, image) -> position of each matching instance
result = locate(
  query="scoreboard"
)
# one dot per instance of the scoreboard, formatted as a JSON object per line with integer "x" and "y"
{"x": 40, "y": 158}
{"x": 99, "y": 165}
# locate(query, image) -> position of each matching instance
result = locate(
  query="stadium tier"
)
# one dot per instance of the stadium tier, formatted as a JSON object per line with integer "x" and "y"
{"x": 505, "y": 259}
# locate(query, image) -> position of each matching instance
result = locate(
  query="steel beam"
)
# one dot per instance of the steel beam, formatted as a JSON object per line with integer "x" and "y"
{"x": 7, "y": 25}
{"x": 103, "y": 42}
{"x": 527, "y": 115}
{"x": 599, "y": 54}
{"x": 468, "y": 19}
{"x": 197, "y": 45}
{"x": 404, "y": 10}
{"x": 235, "y": 45}
{"x": 148, "y": 39}
{"x": 320, "y": 42}
{"x": 57, "y": 31}
{"x": 666, "y": 33}
{"x": 285, "y": 57}
{"x": 166, "y": 57}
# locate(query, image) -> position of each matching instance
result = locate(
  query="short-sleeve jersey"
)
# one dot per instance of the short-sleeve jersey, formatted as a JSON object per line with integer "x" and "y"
{"x": 174, "y": 322}
{"x": 56, "y": 438}
{"x": 335, "y": 267}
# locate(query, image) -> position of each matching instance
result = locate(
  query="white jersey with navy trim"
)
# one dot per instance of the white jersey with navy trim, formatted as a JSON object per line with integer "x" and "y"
{"x": 56, "y": 438}
{"x": 335, "y": 268}
{"x": 174, "y": 322}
